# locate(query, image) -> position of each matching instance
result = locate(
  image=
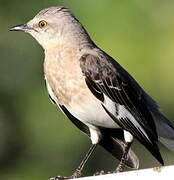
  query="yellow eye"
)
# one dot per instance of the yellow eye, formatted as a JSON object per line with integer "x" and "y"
{"x": 42, "y": 24}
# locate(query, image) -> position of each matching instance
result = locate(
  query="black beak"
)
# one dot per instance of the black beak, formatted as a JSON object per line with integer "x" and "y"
{"x": 21, "y": 27}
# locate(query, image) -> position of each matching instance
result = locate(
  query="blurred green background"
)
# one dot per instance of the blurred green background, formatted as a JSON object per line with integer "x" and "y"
{"x": 36, "y": 140}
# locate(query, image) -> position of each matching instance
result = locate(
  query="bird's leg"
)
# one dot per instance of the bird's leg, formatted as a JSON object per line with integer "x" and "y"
{"x": 121, "y": 165}
{"x": 78, "y": 171}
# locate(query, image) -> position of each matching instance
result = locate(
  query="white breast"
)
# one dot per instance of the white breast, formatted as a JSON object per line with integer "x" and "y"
{"x": 90, "y": 111}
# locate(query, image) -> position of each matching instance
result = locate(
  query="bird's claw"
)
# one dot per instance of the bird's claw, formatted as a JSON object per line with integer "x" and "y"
{"x": 60, "y": 178}
{"x": 99, "y": 173}
{"x": 119, "y": 169}
{"x": 76, "y": 174}
{"x": 109, "y": 172}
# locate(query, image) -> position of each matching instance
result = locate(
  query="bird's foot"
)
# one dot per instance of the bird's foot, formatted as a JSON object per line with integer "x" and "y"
{"x": 110, "y": 172}
{"x": 119, "y": 169}
{"x": 63, "y": 178}
{"x": 102, "y": 173}
{"x": 59, "y": 178}
{"x": 76, "y": 174}
{"x": 99, "y": 173}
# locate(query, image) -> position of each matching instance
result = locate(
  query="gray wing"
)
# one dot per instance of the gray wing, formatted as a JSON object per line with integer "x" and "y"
{"x": 106, "y": 78}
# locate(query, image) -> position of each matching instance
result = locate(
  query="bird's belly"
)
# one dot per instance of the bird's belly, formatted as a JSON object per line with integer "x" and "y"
{"x": 70, "y": 89}
{"x": 91, "y": 112}
{"x": 83, "y": 105}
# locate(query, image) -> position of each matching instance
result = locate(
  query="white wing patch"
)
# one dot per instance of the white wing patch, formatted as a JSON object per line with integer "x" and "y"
{"x": 120, "y": 112}
{"x": 124, "y": 113}
{"x": 109, "y": 105}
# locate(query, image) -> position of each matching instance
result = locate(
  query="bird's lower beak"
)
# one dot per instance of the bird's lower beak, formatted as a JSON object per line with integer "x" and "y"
{"x": 21, "y": 27}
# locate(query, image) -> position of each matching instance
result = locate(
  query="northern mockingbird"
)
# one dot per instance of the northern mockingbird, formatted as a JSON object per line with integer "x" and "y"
{"x": 95, "y": 92}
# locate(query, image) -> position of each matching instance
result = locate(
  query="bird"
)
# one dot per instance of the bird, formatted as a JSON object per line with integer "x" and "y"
{"x": 95, "y": 92}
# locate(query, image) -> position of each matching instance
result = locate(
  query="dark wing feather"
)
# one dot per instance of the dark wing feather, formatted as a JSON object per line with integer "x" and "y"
{"x": 113, "y": 142}
{"x": 106, "y": 76}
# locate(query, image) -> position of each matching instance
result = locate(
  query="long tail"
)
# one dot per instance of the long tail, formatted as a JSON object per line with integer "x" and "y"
{"x": 165, "y": 130}
{"x": 115, "y": 144}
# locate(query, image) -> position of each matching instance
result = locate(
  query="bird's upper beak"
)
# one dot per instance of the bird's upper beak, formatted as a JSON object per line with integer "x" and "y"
{"x": 21, "y": 27}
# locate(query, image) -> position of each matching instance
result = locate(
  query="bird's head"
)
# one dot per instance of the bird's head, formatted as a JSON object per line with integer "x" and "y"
{"x": 54, "y": 26}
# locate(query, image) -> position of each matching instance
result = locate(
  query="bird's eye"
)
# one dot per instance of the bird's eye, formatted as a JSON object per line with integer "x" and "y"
{"x": 42, "y": 24}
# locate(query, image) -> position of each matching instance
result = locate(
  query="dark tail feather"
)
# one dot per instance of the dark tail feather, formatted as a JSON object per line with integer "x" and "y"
{"x": 165, "y": 130}
{"x": 115, "y": 145}
{"x": 168, "y": 143}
